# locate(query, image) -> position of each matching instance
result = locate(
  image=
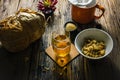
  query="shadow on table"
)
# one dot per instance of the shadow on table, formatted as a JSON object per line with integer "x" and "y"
{"x": 14, "y": 66}
{"x": 81, "y": 27}
{"x": 6, "y": 68}
{"x": 103, "y": 69}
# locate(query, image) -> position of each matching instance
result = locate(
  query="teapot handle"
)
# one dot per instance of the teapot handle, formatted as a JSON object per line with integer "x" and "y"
{"x": 102, "y": 9}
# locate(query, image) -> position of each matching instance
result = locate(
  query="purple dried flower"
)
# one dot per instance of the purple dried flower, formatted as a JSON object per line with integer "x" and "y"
{"x": 47, "y": 6}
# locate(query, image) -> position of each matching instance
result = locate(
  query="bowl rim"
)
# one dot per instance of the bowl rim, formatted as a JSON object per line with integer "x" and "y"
{"x": 97, "y": 30}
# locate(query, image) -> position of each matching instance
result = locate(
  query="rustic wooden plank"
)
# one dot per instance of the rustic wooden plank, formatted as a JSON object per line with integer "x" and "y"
{"x": 87, "y": 70}
{"x": 108, "y": 68}
{"x": 47, "y": 68}
{"x": 111, "y": 22}
{"x": 16, "y": 66}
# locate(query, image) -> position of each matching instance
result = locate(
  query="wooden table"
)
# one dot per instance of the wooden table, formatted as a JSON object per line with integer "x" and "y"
{"x": 34, "y": 64}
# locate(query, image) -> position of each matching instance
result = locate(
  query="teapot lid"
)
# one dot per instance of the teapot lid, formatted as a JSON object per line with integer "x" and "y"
{"x": 80, "y": 2}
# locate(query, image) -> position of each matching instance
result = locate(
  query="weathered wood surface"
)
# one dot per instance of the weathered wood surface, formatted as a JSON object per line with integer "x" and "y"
{"x": 16, "y": 66}
{"x": 41, "y": 67}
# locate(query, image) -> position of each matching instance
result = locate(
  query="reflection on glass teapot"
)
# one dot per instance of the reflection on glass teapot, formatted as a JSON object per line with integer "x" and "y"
{"x": 81, "y": 2}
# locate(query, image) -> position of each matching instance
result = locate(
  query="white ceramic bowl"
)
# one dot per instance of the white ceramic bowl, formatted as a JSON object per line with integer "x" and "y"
{"x": 96, "y": 34}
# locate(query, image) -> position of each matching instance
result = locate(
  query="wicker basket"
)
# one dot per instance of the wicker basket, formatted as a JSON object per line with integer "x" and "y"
{"x": 18, "y": 31}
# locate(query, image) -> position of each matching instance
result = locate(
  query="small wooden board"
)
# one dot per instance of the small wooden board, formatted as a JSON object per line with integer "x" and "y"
{"x": 65, "y": 60}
